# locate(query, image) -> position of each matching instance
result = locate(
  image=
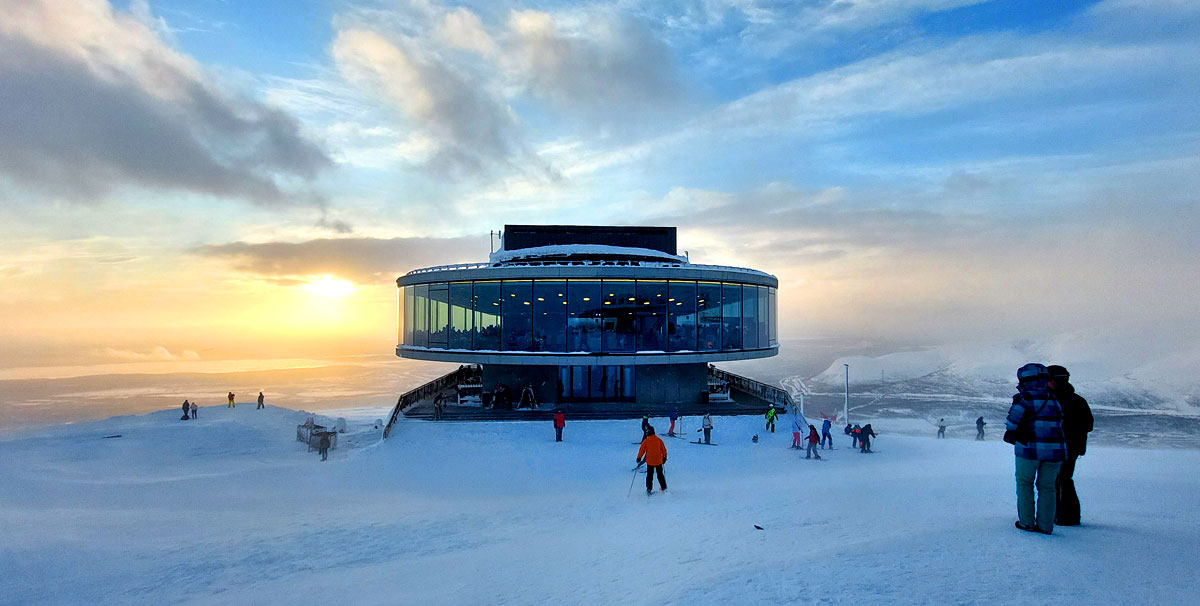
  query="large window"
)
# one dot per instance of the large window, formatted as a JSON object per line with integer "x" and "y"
{"x": 681, "y": 316}
{"x": 651, "y": 315}
{"x": 583, "y": 315}
{"x": 516, "y": 315}
{"x": 462, "y": 319}
{"x": 421, "y": 315}
{"x": 550, "y": 315}
{"x": 708, "y": 309}
{"x": 596, "y": 383}
{"x": 618, "y": 315}
{"x": 439, "y": 315}
{"x": 749, "y": 316}
{"x": 487, "y": 315}
{"x": 764, "y": 318}
{"x": 592, "y": 316}
{"x": 774, "y": 317}
{"x": 731, "y": 316}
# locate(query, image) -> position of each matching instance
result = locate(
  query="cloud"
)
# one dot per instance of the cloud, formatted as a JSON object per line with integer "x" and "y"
{"x": 361, "y": 260}
{"x": 157, "y": 354}
{"x": 474, "y": 130}
{"x": 599, "y": 65}
{"x": 92, "y": 99}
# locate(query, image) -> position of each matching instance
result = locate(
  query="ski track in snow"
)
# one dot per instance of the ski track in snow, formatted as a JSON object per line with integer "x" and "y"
{"x": 229, "y": 509}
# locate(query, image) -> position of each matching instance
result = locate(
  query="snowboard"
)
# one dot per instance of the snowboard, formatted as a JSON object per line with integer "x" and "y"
{"x": 703, "y": 444}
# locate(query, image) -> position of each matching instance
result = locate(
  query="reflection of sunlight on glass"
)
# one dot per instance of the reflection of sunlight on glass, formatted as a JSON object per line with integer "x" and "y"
{"x": 329, "y": 287}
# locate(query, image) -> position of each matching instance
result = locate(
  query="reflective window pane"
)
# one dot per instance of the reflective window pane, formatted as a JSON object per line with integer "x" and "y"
{"x": 421, "y": 315}
{"x": 462, "y": 319}
{"x": 708, "y": 311}
{"x": 550, "y": 315}
{"x": 774, "y": 317}
{"x": 583, "y": 315}
{"x": 486, "y": 296}
{"x": 619, "y": 303}
{"x": 439, "y": 315}
{"x": 764, "y": 317}
{"x": 681, "y": 316}
{"x": 516, "y": 312}
{"x": 749, "y": 316}
{"x": 651, "y": 315}
{"x": 409, "y": 302}
{"x": 731, "y": 316}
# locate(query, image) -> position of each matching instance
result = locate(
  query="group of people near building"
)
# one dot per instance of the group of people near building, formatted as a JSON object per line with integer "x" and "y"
{"x": 190, "y": 408}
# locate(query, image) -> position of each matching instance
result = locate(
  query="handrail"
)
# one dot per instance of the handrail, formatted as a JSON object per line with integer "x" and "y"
{"x": 417, "y": 394}
{"x": 775, "y": 395}
{"x": 584, "y": 263}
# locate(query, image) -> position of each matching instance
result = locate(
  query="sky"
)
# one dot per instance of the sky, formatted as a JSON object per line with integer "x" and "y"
{"x": 184, "y": 181}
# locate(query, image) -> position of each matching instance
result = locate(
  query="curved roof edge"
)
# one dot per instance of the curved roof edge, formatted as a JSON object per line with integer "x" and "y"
{"x": 582, "y": 251}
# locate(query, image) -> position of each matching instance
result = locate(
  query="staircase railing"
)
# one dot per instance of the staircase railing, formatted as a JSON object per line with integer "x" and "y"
{"x": 415, "y": 395}
{"x": 776, "y": 396}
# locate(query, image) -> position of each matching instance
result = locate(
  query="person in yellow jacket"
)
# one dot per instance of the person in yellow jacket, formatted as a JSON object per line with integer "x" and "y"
{"x": 653, "y": 453}
{"x": 771, "y": 419}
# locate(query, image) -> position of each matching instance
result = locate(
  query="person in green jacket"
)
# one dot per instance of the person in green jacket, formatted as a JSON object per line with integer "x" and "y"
{"x": 771, "y": 419}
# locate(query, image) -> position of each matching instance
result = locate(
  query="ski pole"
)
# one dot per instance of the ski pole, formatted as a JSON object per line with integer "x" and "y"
{"x": 633, "y": 479}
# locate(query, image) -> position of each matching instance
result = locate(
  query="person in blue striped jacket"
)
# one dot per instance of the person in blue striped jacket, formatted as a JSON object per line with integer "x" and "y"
{"x": 1034, "y": 428}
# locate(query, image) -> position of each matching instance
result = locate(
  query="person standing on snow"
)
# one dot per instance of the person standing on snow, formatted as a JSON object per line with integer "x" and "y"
{"x": 813, "y": 440}
{"x": 1077, "y": 422}
{"x": 770, "y": 419}
{"x": 230, "y": 404}
{"x": 707, "y": 426}
{"x": 797, "y": 428}
{"x": 826, "y": 425}
{"x": 645, "y": 425}
{"x": 260, "y": 401}
{"x": 653, "y": 453}
{"x": 186, "y": 408}
{"x": 674, "y": 416}
{"x": 323, "y": 446}
{"x": 193, "y": 409}
{"x": 560, "y": 421}
{"x": 941, "y": 428}
{"x": 1034, "y": 428}
{"x": 864, "y": 438}
{"x": 855, "y": 432}
{"x": 979, "y": 427}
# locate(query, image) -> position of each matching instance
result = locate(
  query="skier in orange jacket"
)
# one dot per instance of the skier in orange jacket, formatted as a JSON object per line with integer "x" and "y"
{"x": 653, "y": 453}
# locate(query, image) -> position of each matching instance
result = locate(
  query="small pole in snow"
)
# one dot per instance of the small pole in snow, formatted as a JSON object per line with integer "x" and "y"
{"x": 491, "y": 241}
{"x": 846, "y": 406}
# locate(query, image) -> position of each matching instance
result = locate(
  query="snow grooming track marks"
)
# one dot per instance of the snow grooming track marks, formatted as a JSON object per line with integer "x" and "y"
{"x": 476, "y": 513}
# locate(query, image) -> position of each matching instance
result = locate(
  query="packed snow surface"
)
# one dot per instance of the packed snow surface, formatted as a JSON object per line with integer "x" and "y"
{"x": 230, "y": 509}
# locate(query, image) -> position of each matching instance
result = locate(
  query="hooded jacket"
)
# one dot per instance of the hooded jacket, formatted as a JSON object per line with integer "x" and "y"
{"x": 1036, "y": 417}
{"x": 654, "y": 451}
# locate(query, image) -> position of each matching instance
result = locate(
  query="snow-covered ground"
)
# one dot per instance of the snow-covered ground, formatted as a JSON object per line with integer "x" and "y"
{"x": 230, "y": 509}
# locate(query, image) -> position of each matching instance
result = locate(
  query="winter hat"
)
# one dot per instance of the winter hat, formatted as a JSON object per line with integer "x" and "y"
{"x": 1030, "y": 372}
{"x": 1058, "y": 372}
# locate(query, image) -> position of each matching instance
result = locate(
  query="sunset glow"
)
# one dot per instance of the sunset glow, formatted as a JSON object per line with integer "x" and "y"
{"x": 330, "y": 287}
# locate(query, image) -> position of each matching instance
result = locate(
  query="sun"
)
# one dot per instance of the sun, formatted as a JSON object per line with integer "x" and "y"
{"x": 327, "y": 286}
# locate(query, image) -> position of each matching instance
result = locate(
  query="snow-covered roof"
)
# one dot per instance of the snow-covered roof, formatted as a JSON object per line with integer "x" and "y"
{"x": 583, "y": 250}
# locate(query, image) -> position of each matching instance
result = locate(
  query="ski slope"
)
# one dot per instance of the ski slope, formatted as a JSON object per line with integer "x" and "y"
{"x": 230, "y": 509}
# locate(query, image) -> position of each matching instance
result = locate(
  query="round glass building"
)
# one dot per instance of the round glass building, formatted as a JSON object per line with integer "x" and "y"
{"x": 589, "y": 314}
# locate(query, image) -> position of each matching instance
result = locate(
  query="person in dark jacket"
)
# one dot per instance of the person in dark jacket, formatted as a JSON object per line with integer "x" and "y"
{"x": 855, "y": 432}
{"x": 1034, "y": 428}
{"x": 560, "y": 420}
{"x": 646, "y": 428}
{"x": 674, "y": 417}
{"x": 1077, "y": 422}
{"x": 187, "y": 409}
{"x": 260, "y": 401}
{"x": 323, "y": 446}
{"x": 979, "y": 423}
{"x": 826, "y": 425}
{"x": 864, "y": 438}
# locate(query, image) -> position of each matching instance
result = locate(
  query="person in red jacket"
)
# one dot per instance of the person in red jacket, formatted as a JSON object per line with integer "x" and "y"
{"x": 814, "y": 438}
{"x": 560, "y": 420}
{"x": 653, "y": 453}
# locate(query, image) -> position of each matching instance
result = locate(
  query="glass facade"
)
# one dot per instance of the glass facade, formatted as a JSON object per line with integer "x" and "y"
{"x": 591, "y": 316}
{"x": 595, "y": 383}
